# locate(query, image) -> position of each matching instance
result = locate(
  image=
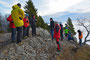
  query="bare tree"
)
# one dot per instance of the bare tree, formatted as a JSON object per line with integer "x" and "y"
{"x": 86, "y": 24}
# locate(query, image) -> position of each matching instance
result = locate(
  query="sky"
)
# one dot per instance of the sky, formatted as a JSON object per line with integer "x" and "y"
{"x": 48, "y": 7}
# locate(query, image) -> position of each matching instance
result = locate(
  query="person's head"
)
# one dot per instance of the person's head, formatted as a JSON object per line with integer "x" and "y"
{"x": 19, "y": 5}
{"x": 60, "y": 23}
{"x": 66, "y": 27}
{"x": 26, "y": 15}
{"x": 33, "y": 16}
{"x": 55, "y": 22}
{"x": 78, "y": 31}
{"x": 51, "y": 19}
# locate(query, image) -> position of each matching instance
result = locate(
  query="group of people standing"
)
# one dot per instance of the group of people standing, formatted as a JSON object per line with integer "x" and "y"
{"x": 20, "y": 23}
{"x": 57, "y": 31}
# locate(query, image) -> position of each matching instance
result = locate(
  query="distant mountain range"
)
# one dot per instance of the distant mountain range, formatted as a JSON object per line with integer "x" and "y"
{"x": 63, "y": 16}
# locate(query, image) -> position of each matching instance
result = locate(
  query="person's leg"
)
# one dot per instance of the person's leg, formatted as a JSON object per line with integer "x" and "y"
{"x": 79, "y": 41}
{"x": 32, "y": 31}
{"x": 19, "y": 34}
{"x": 28, "y": 31}
{"x": 13, "y": 34}
{"x": 35, "y": 30}
{"x": 61, "y": 35}
{"x": 58, "y": 44}
{"x": 52, "y": 32}
{"x": 23, "y": 31}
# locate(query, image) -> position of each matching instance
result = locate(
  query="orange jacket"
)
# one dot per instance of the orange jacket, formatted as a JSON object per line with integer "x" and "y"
{"x": 80, "y": 36}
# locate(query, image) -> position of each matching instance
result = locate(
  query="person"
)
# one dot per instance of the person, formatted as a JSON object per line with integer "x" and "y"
{"x": 57, "y": 35}
{"x": 51, "y": 27}
{"x": 13, "y": 28}
{"x": 17, "y": 15}
{"x": 80, "y": 36}
{"x": 70, "y": 36}
{"x": 25, "y": 27}
{"x": 61, "y": 31}
{"x": 33, "y": 25}
{"x": 66, "y": 31}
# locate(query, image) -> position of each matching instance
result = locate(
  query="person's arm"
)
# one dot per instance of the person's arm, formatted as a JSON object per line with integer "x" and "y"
{"x": 10, "y": 19}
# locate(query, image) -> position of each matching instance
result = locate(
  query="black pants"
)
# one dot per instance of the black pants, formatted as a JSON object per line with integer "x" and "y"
{"x": 24, "y": 31}
{"x": 28, "y": 30}
{"x": 13, "y": 34}
{"x": 34, "y": 30}
{"x": 61, "y": 33}
{"x": 19, "y": 34}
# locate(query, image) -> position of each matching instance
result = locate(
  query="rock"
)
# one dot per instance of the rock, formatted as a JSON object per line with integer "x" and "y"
{"x": 40, "y": 47}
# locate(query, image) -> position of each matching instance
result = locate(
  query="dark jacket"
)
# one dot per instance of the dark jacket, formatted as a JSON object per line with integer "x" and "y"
{"x": 61, "y": 28}
{"x": 52, "y": 24}
{"x": 33, "y": 22}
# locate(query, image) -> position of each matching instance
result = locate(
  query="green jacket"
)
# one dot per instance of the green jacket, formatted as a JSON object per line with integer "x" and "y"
{"x": 66, "y": 31}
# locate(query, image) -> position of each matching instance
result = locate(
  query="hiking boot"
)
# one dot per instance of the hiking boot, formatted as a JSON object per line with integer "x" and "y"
{"x": 21, "y": 43}
{"x": 28, "y": 36}
{"x": 58, "y": 50}
{"x": 25, "y": 37}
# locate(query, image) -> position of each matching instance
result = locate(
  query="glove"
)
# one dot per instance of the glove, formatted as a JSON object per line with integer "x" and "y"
{"x": 27, "y": 21}
{"x": 12, "y": 22}
{"x": 20, "y": 18}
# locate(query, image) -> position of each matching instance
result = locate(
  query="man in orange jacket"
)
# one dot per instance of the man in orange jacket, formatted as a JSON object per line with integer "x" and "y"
{"x": 80, "y": 37}
{"x": 13, "y": 28}
{"x": 25, "y": 27}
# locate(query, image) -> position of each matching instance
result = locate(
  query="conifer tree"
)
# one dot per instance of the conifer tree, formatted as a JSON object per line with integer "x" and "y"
{"x": 30, "y": 9}
{"x": 70, "y": 26}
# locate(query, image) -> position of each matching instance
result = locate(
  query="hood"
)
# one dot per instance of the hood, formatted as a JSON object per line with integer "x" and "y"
{"x": 15, "y": 7}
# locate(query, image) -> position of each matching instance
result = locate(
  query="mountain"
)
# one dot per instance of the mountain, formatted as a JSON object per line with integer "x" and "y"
{"x": 63, "y": 16}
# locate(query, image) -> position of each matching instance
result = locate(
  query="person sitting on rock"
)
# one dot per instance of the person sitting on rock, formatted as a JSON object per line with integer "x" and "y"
{"x": 57, "y": 35}
{"x": 70, "y": 36}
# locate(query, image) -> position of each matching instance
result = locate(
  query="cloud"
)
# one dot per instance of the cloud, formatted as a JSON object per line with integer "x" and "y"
{"x": 48, "y": 7}
{"x": 4, "y": 3}
{"x": 56, "y": 6}
{"x": 82, "y": 7}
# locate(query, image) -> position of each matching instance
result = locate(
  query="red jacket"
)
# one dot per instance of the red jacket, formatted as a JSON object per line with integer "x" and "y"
{"x": 26, "y": 22}
{"x": 57, "y": 31}
{"x": 11, "y": 22}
